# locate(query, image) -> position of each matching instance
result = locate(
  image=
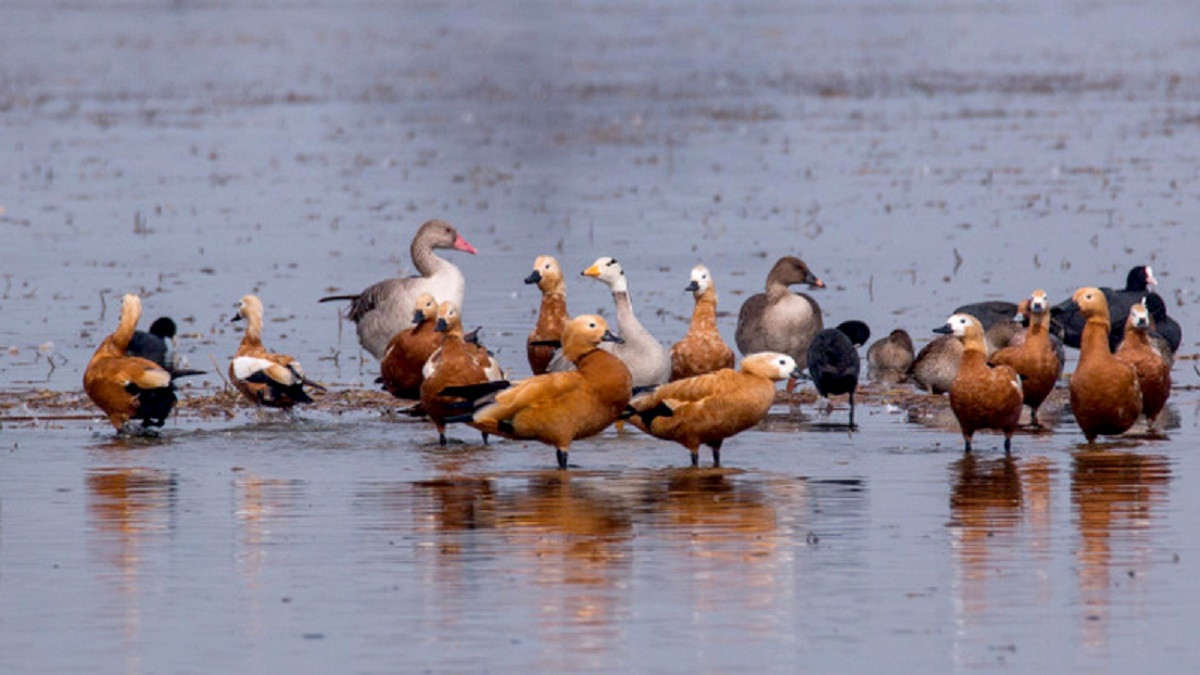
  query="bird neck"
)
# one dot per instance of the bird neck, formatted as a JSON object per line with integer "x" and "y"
{"x": 1095, "y": 337}
{"x": 704, "y": 315}
{"x": 426, "y": 261}
{"x": 253, "y": 335}
{"x": 125, "y": 328}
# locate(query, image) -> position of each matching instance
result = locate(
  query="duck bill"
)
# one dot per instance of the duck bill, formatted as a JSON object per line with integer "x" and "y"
{"x": 418, "y": 316}
{"x": 441, "y": 326}
{"x": 693, "y": 287}
{"x": 534, "y": 277}
{"x": 236, "y": 318}
{"x": 944, "y": 330}
{"x": 796, "y": 375}
{"x": 609, "y": 336}
{"x": 592, "y": 271}
{"x": 462, "y": 245}
{"x": 812, "y": 280}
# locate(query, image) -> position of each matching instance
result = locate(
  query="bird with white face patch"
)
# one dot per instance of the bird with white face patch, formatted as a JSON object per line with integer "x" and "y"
{"x": 702, "y": 350}
{"x": 263, "y": 377}
{"x": 707, "y": 409}
{"x": 648, "y": 361}
{"x": 981, "y": 396}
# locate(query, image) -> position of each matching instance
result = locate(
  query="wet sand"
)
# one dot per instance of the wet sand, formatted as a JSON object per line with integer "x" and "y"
{"x": 918, "y": 156}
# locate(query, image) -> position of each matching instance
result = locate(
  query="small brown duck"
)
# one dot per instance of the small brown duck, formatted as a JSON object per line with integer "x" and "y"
{"x": 557, "y": 408}
{"x": 1153, "y": 372}
{"x": 981, "y": 396}
{"x": 707, "y": 409}
{"x": 546, "y": 335}
{"x": 1105, "y": 397}
{"x": 455, "y": 363}
{"x": 400, "y": 371}
{"x": 890, "y": 358}
{"x": 263, "y": 377}
{"x": 779, "y": 320}
{"x": 128, "y": 387}
{"x": 1034, "y": 359}
{"x": 937, "y": 363}
{"x": 702, "y": 350}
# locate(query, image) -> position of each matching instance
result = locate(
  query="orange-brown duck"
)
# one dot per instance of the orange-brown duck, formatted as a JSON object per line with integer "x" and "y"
{"x": 1105, "y": 397}
{"x": 702, "y": 350}
{"x": 981, "y": 396}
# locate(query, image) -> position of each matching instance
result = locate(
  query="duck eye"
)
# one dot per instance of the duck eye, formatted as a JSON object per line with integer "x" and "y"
{"x": 591, "y": 325}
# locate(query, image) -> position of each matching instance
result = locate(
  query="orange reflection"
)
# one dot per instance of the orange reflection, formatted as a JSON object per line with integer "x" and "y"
{"x": 1114, "y": 495}
{"x": 985, "y": 509}
{"x": 129, "y": 507}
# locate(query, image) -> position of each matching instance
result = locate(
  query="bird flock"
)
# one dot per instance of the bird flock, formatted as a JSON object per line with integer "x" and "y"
{"x": 993, "y": 358}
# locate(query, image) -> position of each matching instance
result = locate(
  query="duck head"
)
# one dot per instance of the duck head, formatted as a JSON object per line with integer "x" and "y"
{"x": 546, "y": 274}
{"x": 425, "y": 308}
{"x": 584, "y": 333}
{"x": 772, "y": 365}
{"x": 701, "y": 281}
{"x": 1140, "y": 278}
{"x": 964, "y": 327}
{"x": 448, "y": 319}
{"x": 1091, "y": 302}
{"x": 1139, "y": 316}
{"x": 250, "y": 306}
{"x": 609, "y": 271}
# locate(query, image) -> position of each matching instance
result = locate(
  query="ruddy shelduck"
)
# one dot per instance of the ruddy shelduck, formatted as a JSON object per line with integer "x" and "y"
{"x": 546, "y": 335}
{"x": 265, "y": 378}
{"x": 981, "y": 396}
{"x": 707, "y": 409}
{"x": 400, "y": 371}
{"x": 1153, "y": 372}
{"x": 455, "y": 363}
{"x": 1105, "y": 397}
{"x": 128, "y": 387}
{"x": 1035, "y": 358}
{"x": 558, "y": 408}
{"x": 702, "y": 350}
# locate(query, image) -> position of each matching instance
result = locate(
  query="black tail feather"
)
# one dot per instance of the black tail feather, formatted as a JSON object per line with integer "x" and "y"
{"x": 332, "y": 298}
{"x": 661, "y": 409}
{"x": 177, "y": 373}
{"x": 546, "y": 343}
{"x": 475, "y": 391}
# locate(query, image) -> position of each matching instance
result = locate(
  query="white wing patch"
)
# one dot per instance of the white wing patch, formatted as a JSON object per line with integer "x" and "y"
{"x": 246, "y": 366}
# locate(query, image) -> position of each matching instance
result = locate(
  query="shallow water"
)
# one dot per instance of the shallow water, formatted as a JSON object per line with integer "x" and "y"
{"x": 917, "y": 155}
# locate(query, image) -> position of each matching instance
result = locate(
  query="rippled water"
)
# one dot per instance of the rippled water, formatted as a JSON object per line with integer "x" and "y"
{"x": 917, "y": 155}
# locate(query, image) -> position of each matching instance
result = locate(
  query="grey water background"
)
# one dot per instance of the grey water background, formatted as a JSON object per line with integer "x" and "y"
{"x": 918, "y": 155}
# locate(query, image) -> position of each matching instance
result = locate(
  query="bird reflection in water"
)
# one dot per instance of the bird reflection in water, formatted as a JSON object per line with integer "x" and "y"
{"x": 130, "y": 508}
{"x": 1113, "y": 495}
{"x": 1000, "y": 534}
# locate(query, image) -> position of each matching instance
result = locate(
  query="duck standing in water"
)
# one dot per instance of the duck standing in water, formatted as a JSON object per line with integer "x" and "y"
{"x": 266, "y": 378}
{"x": 981, "y": 396}
{"x": 546, "y": 335}
{"x": 707, "y": 409}
{"x": 401, "y": 370}
{"x": 1105, "y": 397}
{"x": 557, "y": 408}
{"x": 128, "y": 387}
{"x": 780, "y": 320}
{"x": 1035, "y": 359}
{"x": 1153, "y": 371}
{"x": 702, "y": 350}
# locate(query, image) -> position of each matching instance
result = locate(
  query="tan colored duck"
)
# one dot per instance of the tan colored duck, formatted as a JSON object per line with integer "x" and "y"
{"x": 702, "y": 350}
{"x": 455, "y": 363}
{"x": 546, "y": 335}
{"x": 1034, "y": 358}
{"x": 648, "y": 361}
{"x": 1105, "y": 397}
{"x": 384, "y": 309}
{"x": 982, "y": 396}
{"x": 558, "y": 408}
{"x": 1153, "y": 371}
{"x": 707, "y": 409}
{"x": 128, "y": 387}
{"x": 779, "y": 320}
{"x": 937, "y": 363}
{"x": 889, "y": 358}
{"x": 265, "y": 378}
{"x": 400, "y": 371}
